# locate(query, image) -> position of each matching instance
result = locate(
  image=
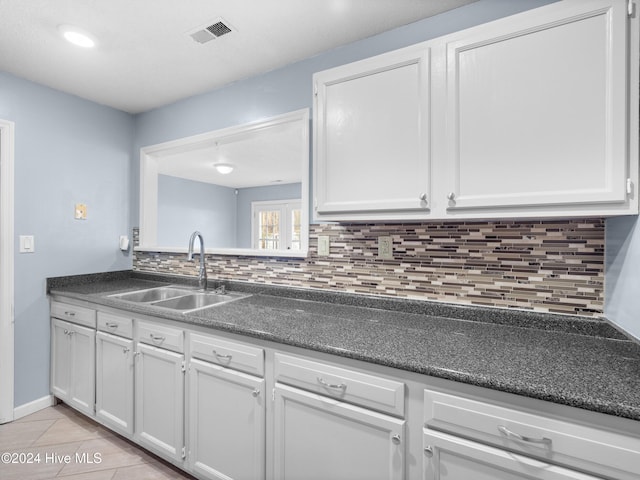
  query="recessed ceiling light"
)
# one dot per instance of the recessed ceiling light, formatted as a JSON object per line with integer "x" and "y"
{"x": 77, "y": 36}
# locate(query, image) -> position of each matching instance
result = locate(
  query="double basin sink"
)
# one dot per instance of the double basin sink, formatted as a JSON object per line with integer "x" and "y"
{"x": 179, "y": 298}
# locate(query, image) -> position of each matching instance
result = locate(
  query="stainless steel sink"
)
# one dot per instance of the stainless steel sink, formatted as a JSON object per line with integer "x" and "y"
{"x": 183, "y": 299}
{"x": 153, "y": 294}
{"x": 196, "y": 301}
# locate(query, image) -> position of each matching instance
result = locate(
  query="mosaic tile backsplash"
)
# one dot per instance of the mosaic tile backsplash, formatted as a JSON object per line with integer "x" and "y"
{"x": 554, "y": 266}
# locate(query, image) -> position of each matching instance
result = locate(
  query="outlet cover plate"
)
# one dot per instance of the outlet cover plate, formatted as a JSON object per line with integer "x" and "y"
{"x": 323, "y": 245}
{"x": 385, "y": 248}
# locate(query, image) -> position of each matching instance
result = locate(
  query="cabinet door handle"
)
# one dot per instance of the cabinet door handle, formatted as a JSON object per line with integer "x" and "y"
{"x": 516, "y": 436}
{"x": 451, "y": 196}
{"x": 70, "y": 314}
{"x": 125, "y": 350}
{"x": 338, "y": 386}
{"x": 111, "y": 325}
{"x": 256, "y": 392}
{"x": 157, "y": 339}
{"x": 423, "y": 197}
{"x": 428, "y": 451}
{"x": 222, "y": 357}
{"x": 396, "y": 439}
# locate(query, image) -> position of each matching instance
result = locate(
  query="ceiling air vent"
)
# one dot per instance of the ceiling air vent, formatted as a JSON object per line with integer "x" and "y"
{"x": 210, "y": 31}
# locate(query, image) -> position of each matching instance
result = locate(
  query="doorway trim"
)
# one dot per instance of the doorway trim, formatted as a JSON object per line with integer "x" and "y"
{"x": 7, "y": 141}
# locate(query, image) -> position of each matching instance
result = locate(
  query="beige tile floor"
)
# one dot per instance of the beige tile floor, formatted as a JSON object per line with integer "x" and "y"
{"x": 92, "y": 452}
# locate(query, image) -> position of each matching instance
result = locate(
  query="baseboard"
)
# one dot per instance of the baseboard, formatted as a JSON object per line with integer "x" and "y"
{"x": 32, "y": 407}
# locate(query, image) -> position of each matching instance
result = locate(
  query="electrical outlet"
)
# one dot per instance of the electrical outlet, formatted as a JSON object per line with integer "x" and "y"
{"x": 385, "y": 248}
{"x": 323, "y": 245}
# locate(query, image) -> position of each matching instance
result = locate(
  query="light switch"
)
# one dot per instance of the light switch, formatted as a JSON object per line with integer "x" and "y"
{"x": 27, "y": 244}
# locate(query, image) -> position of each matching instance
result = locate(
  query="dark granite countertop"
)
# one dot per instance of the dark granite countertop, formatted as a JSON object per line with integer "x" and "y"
{"x": 581, "y": 362}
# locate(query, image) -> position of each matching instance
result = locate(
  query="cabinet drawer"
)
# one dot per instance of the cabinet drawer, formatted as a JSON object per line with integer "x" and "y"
{"x": 161, "y": 336}
{"x": 449, "y": 457}
{"x": 565, "y": 443}
{"x": 228, "y": 354}
{"x": 73, "y": 313}
{"x": 115, "y": 324}
{"x": 349, "y": 385}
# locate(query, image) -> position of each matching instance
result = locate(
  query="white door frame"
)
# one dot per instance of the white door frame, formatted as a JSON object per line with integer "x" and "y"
{"x": 7, "y": 130}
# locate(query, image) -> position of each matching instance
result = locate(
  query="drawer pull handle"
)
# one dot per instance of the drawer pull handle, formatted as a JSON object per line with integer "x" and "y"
{"x": 226, "y": 358}
{"x": 157, "y": 339}
{"x": 70, "y": 314}
{"x": 338, "y": 386}
{"x": 516, "y": 436}
{"x": 111, "y": 325}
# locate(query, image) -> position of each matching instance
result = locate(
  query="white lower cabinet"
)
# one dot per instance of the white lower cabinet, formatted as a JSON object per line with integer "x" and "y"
{"x": 497, "y": 429}
{"x": 159, "y": 401}
{"x": 226, "y": 423}
{"x": 454, "y": 458}
{"x": 73, "y": 364}
{"x": 254, "y": 410}
{"x": 114, "y": 382}
{"x": 317, "y": 437}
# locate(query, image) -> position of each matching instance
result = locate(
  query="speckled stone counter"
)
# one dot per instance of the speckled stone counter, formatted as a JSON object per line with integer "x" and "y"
{"x": 580, "y": 362}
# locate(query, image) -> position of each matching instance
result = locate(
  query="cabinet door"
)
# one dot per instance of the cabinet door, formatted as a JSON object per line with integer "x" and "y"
{"x": 159, "y": 401}
{"x": 82, "y": 369}
{"x": 73, "y": 365}
{"x": 320, "y": 438}
{"x": 537, "y": 109}
{"x": 226, "y": 423}
{"x": 60, "y": 359}
{"x": 453, "y": 458}
{"x": 114, "y": 382}
{"x": 371, "y": 138}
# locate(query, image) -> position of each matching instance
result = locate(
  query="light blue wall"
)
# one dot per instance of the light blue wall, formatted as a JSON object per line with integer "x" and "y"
{"x": 186, "y": 205}
{"x": 622, "y": 267}
{"x": 67, "y": 151}
{"x": 287, "y": 191}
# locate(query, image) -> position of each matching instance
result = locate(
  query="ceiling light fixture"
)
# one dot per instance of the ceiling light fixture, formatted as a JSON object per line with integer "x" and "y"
{"x": 77, "y": 36}
{"x": 223, "y": 168}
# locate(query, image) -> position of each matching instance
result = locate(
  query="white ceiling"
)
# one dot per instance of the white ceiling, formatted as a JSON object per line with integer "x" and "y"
{"x": 145, "y": 58}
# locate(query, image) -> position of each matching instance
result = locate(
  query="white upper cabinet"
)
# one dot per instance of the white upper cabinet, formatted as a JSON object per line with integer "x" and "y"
{"x": 537, "y": 109}
{"x": 371, "y": 132}
{"x": 525, "y": 116}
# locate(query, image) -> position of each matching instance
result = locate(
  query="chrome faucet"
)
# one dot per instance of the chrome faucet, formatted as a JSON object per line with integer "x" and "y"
{"x": 202, "y": 275}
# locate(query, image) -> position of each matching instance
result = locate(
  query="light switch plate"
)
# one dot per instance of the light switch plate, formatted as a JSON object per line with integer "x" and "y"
{"x": 27, "y": 244}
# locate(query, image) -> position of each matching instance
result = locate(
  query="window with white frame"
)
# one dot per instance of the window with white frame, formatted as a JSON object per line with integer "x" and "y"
{"x": 275, "y": 225}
